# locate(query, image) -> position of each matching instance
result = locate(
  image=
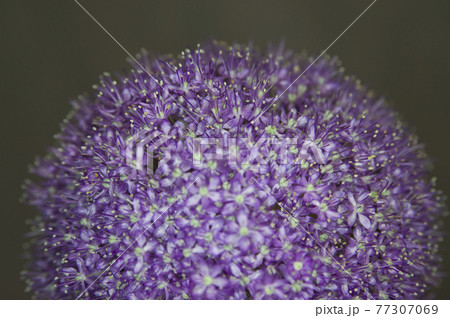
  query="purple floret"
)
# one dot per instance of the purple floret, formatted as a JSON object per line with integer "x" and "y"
{"x": 320, "y": 190}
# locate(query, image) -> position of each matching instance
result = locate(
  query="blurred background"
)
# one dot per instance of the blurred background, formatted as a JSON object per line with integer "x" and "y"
{"x": 52, "y": 51}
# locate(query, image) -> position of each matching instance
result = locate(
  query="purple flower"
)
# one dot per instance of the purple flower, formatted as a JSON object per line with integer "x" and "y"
{"x": 238, "y": 198}
{"x": 245, "y": 234}
{"x": 207, "y": 282}
{"x": 270, "y": 288}
{"x": 315, "y": 190}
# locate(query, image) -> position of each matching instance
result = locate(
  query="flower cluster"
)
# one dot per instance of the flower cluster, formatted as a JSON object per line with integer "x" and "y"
{"x": 350, "y": 212}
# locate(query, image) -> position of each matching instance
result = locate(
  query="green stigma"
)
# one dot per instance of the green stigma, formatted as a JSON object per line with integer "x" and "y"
{"x": 243, "y": 231}
{"x": 203, "y": 191}
{"x": 207, "y": 280}
{"x": 239, "y": 199}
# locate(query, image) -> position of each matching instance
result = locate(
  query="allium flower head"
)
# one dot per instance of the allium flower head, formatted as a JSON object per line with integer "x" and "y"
{"x": 208, "y": 175}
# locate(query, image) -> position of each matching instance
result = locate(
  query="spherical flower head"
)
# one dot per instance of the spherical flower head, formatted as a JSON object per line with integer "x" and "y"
{"x": 230, "y": 173}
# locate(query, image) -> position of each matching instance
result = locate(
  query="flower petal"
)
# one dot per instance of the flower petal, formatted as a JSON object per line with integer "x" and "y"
{"x": 364, "y": 221}
{"x": 193, "y": 200}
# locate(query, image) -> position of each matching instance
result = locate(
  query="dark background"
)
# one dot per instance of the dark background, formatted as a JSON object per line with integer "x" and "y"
{"x": 52, "y": 51}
